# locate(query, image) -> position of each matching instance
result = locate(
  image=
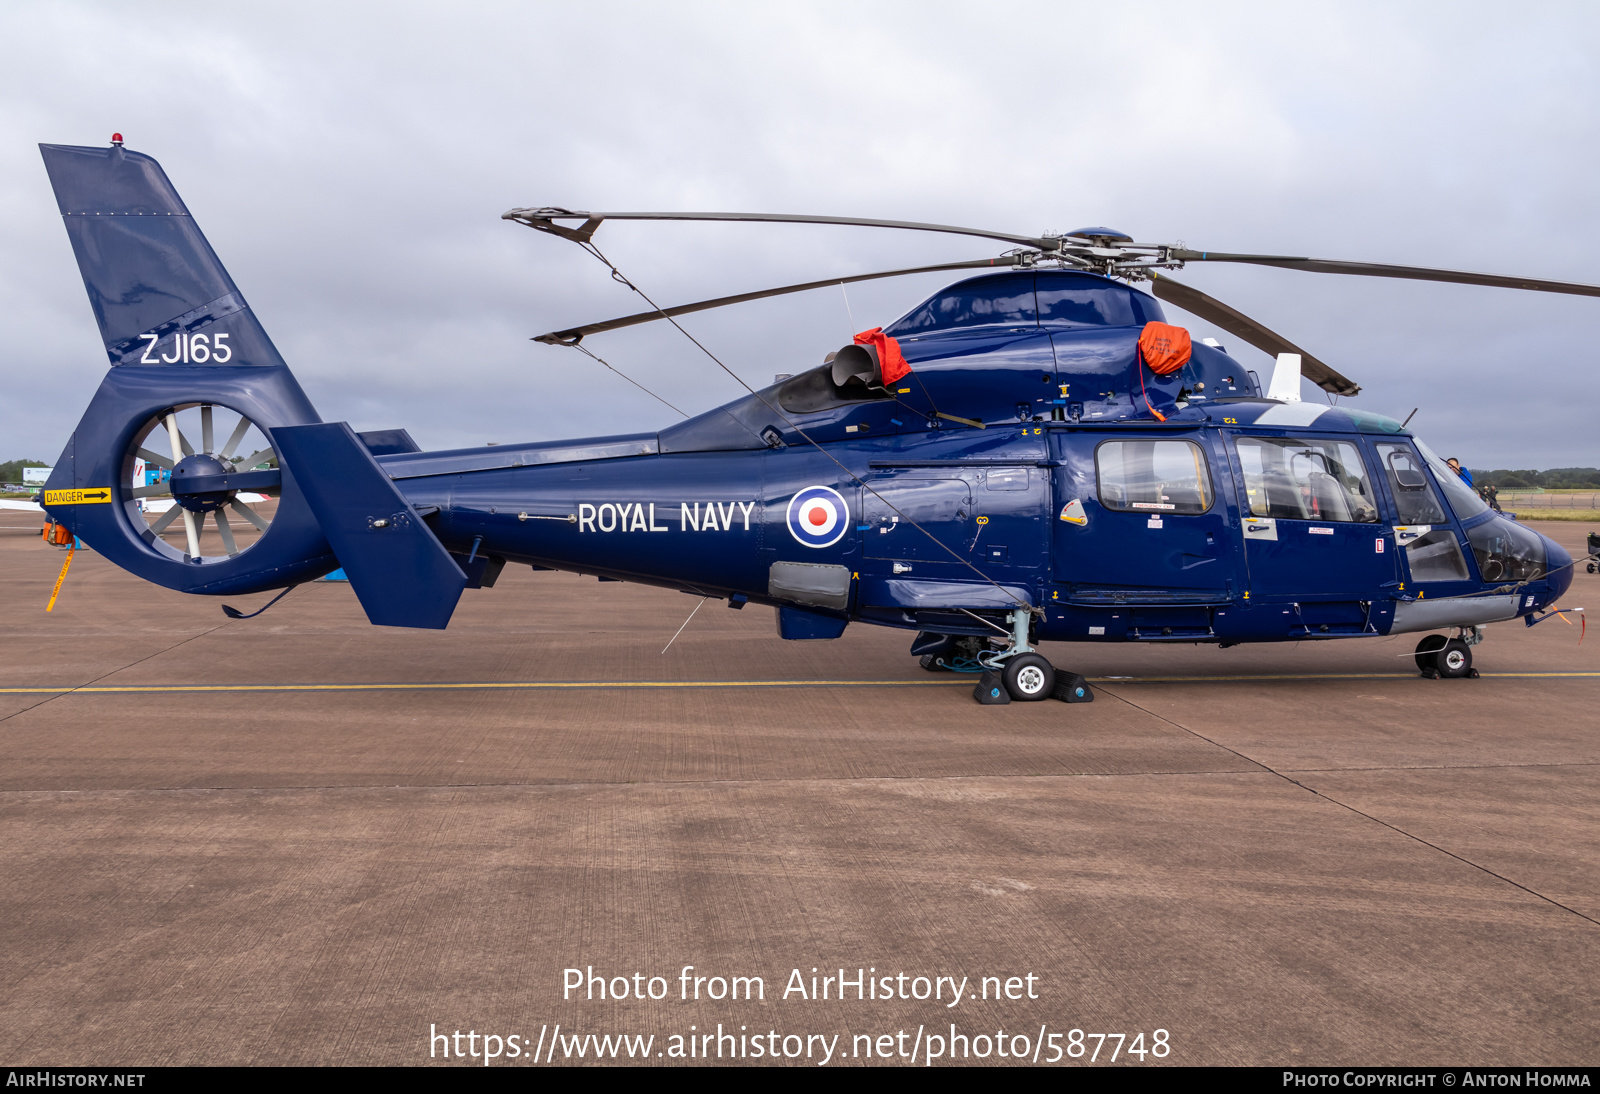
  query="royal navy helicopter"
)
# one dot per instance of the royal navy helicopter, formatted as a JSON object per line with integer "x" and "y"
{"x": 1031, "y": 454}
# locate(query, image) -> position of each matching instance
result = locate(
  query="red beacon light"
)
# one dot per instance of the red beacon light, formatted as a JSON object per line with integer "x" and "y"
{"x": 116, "y": 139}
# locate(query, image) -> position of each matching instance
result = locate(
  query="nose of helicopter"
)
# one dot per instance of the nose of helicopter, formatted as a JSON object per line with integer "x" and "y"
{"x": 1558, "y": 565}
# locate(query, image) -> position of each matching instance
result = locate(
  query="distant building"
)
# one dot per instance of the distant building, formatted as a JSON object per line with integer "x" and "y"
{"x": 36, "y": 476}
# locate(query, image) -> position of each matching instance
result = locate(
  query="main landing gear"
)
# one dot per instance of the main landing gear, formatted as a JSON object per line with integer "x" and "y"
{"x": 1439, "y": 657}
{"x": 1010, "y": 673}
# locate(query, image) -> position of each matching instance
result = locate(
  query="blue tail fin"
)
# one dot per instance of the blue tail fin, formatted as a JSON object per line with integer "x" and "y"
{"x": 165, "y": 305}
{"x": 158, "y": 291}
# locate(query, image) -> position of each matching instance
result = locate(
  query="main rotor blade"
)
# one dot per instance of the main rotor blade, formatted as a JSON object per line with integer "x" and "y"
{"x": 1242, "y": 326}
{"x": 1380, "y": 269}
{"x": 544, "y": 220}
{"x": 573, "y": 335}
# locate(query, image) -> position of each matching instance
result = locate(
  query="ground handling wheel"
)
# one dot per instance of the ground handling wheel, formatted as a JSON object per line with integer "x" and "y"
{"x": 1427, "y": 654}
{"x": 1029, "y": 678}
{"x": 1455, "y": 660}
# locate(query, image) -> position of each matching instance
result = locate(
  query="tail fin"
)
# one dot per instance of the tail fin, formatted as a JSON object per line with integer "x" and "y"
{"x": 158, "y": 291}
{"x": 163, "y": 301}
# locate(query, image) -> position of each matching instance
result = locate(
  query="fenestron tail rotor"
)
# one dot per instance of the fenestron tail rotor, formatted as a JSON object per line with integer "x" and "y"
{"x": 173, "y": 484}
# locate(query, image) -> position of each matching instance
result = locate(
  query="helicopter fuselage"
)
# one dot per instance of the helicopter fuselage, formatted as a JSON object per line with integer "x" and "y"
{"x": 947, "y": 529}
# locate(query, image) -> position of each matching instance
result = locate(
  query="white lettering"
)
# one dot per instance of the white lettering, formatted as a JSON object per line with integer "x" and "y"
{"x": 177, "y": 352}
{"x": 685, "y": 520}
{"x": 727, "y": 515}
{"x": 585, "y": 517}
{"x": 200, "y": 349}
{"x": 747, "y": 506}
{"x": 218, "y": 350}
{"x": 796, "y": 983}
{"x": 638, "y": 524}
{"x": 708, "y": 521}
{"x": 151, "y": 340}
{"x": 654, "y": 527}
{"x": 601, "y": 515}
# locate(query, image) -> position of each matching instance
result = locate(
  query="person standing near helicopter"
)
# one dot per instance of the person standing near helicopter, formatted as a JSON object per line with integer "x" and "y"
{"x": 1455, "y": 465}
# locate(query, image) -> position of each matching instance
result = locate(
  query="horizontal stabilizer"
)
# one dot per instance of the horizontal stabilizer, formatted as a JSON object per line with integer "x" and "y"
{"x": 399, "y": 570}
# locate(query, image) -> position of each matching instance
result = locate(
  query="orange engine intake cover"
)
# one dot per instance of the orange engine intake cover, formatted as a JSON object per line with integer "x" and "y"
{"x": 1164, "y": 348}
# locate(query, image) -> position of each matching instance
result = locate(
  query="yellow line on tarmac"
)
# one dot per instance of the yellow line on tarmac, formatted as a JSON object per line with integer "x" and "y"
{"x": 491, "y": 685}
{"x": 535, "y": 685}
{"x": 1310, "y": 676}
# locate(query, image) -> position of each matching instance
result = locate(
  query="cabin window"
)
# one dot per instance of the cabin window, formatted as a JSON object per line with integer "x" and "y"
{"x": 1153, "y": 477}
{"x": 1306, "y": 478}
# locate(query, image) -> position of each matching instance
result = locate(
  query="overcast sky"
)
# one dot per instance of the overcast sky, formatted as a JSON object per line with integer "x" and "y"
{"x": 350, "y": 163}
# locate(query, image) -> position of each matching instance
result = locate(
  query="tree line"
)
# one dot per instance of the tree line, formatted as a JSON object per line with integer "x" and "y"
{"x": 1557, "y": 478}
{"x": 12, "y": 471}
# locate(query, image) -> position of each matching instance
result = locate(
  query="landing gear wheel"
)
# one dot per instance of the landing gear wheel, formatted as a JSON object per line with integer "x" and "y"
{"x": 1455, "y": 660}
{"x": 1427, "y": 653}
{"x": 1029, "y": 678}
{"x": 933, "y": 663}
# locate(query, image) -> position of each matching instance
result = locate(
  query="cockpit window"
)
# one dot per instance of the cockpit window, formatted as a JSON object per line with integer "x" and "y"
{"x": 1506, "y": 551}
{"x": 991, "y": 301}
{"x": 815, "y": 390}
{"x": 1306, "y": 478}
{"x": 1463, "y": 499}
{"x": 1414, "y": 500}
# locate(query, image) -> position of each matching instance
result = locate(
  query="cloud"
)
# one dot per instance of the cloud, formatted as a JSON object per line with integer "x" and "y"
{"x": 350, "y": 162}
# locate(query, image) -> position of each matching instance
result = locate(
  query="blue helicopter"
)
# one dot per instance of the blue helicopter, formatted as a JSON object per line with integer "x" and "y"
{"x": 1032, "y": 454}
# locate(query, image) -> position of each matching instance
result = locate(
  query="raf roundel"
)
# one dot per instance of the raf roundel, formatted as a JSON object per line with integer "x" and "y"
{"x": 818, "y": 516}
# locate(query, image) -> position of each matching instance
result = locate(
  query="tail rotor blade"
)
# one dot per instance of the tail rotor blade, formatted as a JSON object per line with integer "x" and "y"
{"x": 226, "y": 533}
{"x": 235, "y": 437}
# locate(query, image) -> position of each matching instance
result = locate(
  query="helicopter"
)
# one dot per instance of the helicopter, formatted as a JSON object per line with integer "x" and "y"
{"x": 1032, "y": 454}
